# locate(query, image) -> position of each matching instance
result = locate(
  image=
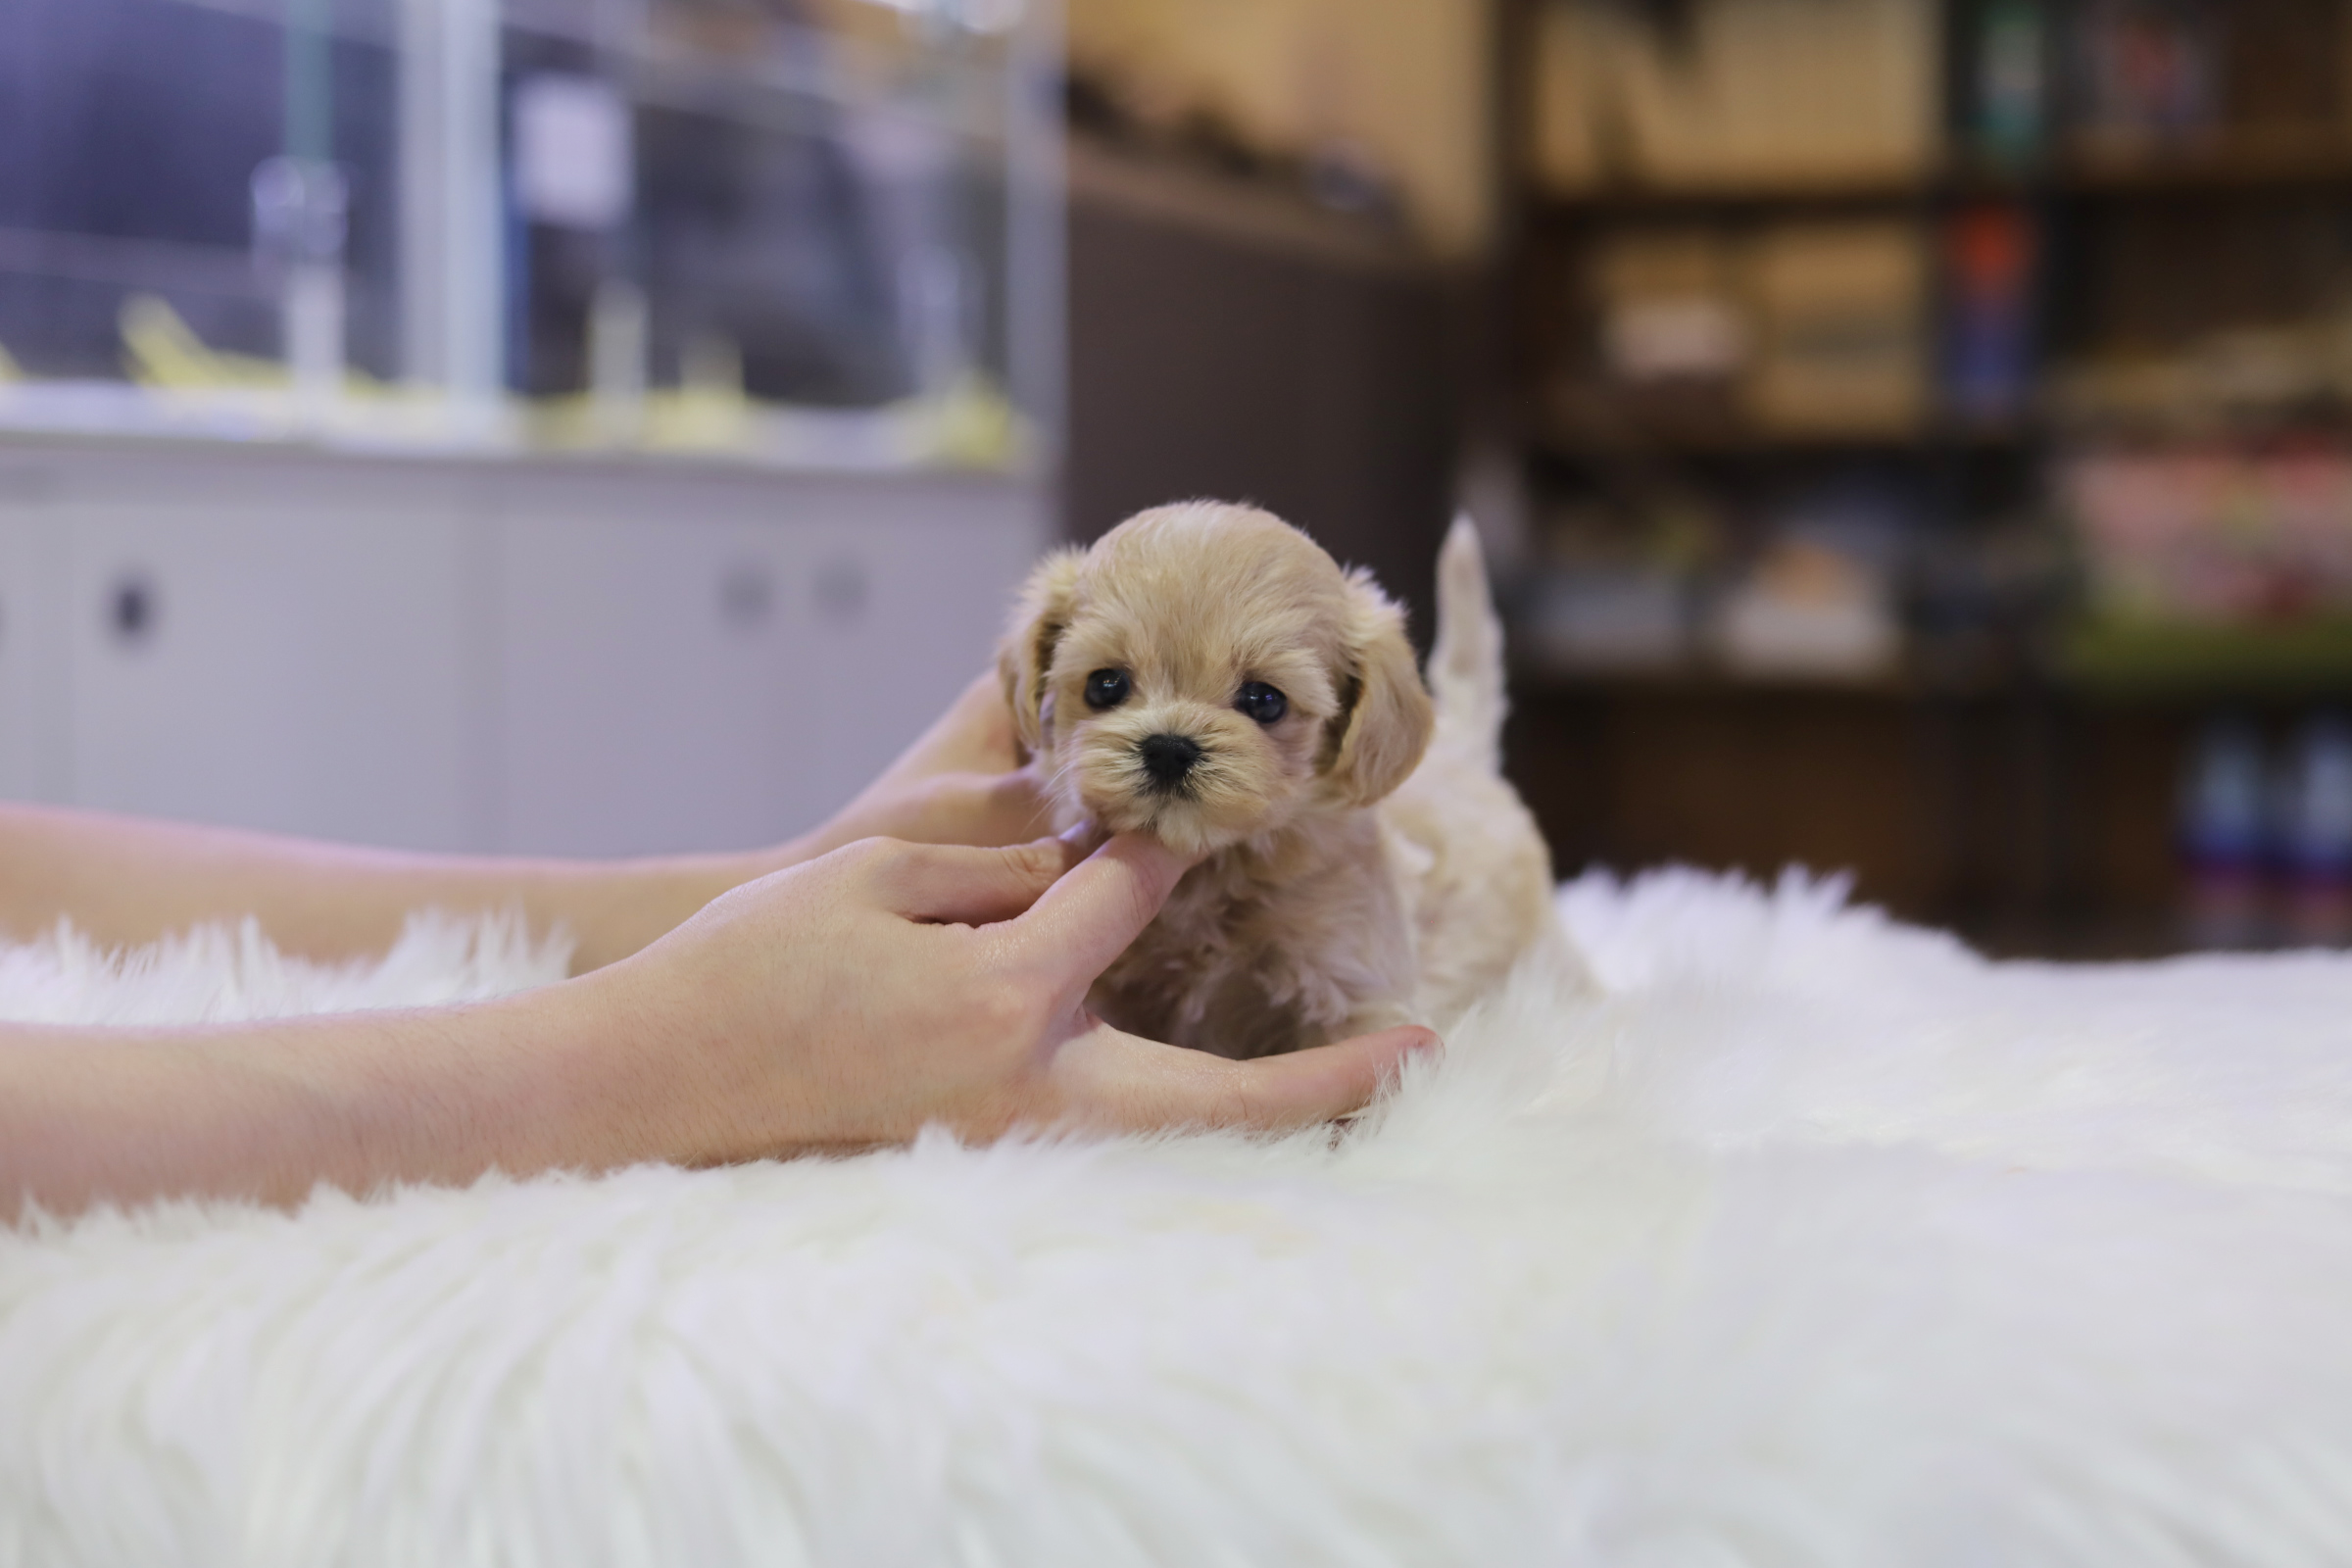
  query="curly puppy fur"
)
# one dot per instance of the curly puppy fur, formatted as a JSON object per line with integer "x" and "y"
{"x": 1354, "y": 876}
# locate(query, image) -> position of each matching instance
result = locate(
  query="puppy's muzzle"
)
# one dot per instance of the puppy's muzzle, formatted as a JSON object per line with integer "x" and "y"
{"x": 1168, "y": 758}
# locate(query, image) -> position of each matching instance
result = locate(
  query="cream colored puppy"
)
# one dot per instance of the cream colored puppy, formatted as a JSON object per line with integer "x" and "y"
{"x": 1207, "y": 673}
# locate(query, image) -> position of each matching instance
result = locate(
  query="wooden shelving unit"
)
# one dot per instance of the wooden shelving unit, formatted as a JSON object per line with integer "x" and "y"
{"x": 2245, "y": 164}
{"x": 2027, "y": 797}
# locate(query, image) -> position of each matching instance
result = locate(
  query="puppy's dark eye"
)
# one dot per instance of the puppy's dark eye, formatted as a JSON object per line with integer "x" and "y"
{"x": 1262, "y": 703}
{"x": 1105, "y": 687}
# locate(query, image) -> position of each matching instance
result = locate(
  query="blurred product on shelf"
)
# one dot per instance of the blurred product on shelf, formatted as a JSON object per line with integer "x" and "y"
{"x": 2265, "y": 836}
{"x": 1989, "y": 271}
{"x": 2146, "y": 73}
{"x": 1840, "y": 328}
{"x": 1812, "y": 328}
{"x": 2008, "y": 110}
{"x": 2314, "y": 846}
{"x": 1821, "y": 600}
{"x": 1832, "y": 94}
{"x": 1674, "y": 329}
{"x": 2213, "y": 565}
{"x": 2223, "y": 836}
{"x": 575, "y": 161}
{"x": 1808, "y": 609}
{"x": 2216, "y": 534}
{"x": 1624, "y": 620}
{"x": 1725, "y": 94}
{"x": 2269, "y": 374}
{"x": 2147, "y": 79}
{"x": 1979, "y": 600}
{"x": 1620, "y": 590}
{"x": 1820, "y": 596}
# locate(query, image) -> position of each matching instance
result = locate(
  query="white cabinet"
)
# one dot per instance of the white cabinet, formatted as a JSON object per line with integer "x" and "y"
{"x": 649, "y": 674}
{"x": 293, "y": 656}
{"x": 908, "y": 609}
{"x": 592, "y": 660}
{"x": 721, "y": 665}
{"x": 34, "y": 698}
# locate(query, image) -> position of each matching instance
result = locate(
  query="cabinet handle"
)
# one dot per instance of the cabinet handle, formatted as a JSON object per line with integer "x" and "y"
{"x": 131, "y": 608}
{"x": 842, "y": 590}
{"x": 747, "y": 593}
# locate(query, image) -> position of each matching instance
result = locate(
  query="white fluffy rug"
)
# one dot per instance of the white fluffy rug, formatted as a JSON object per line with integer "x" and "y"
{"x": 1814, "y": 1241}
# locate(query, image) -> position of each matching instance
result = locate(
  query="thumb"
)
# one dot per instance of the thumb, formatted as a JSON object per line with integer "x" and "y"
{"x": 964, "y": 886}
{"x": 1119, "y": 1080}
{"x": 1090, "y": 916}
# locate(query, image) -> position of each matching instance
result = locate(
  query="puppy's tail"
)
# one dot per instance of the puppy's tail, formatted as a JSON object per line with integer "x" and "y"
{"x": 1466, "y": 666}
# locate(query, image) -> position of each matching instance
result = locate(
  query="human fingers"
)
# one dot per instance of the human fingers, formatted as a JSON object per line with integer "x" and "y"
{"x": 1015, "y": 799}
{"x": 1116, "y": 1080}
{"x": 986, "y": 808}
{"x": 1089, "y": 917}
{"x": 946, "y": 883}
{"x": 974, "y": 736}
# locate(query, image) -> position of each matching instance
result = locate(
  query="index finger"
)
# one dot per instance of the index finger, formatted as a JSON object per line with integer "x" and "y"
{"x": 1098, "y": 906}
{"x": 974, "y": 736}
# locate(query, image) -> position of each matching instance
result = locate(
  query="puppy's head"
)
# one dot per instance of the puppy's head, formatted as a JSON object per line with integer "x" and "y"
{"x": 1207, "y": 673}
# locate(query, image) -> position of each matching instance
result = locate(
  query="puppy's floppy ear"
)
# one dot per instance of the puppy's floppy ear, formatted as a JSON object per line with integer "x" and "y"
{"x": 1026, "y": 654}
{"x": 1384, "y": 718}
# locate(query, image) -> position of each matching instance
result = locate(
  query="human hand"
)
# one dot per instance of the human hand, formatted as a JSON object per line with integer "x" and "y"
{"x": 852, "y": 1001}
{"x": 961, "y": 782}
{"x": 842, "y": 1004}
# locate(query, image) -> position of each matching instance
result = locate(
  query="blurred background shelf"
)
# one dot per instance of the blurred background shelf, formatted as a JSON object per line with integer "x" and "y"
{"x": 1733, "y": 441}
{"x": 1932, "y": 425}
{"x": 2276, "y": 163}
{"x": 2028, "y": 817}
{"x": 2301, "y": 659}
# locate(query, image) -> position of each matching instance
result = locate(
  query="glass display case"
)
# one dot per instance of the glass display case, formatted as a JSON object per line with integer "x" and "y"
{"x": 809, "y": 233}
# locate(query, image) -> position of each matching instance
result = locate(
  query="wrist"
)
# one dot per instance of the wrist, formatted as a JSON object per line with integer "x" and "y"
{"x": 614, "y": 909}
{"x": 658, "y": 1067}
{"x": 557, "y": 1078}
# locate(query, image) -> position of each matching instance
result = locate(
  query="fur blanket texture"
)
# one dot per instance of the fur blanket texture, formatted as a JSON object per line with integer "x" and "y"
{"x": 1811, "y": 1239}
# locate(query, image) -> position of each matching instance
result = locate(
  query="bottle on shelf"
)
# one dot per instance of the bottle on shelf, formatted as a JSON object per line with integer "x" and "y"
{"x": 2314, "y": 833}
{"x": 2148, "y": 74}
{"x": 2223, "y": 837}
{"x": 1989, "y": 365}
{"x": 2010, "y": 123}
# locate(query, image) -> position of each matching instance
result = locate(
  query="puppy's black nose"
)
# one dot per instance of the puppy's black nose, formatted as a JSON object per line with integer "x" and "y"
{"x": 1168, "y": 758}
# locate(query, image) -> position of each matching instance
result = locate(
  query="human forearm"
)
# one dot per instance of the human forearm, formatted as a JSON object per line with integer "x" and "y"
{"x": 126, "y": 881}
{"x": 558, "y": 1078}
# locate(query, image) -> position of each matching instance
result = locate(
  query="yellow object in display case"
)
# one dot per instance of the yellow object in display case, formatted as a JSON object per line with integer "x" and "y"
{"x": 162, "y": 351}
